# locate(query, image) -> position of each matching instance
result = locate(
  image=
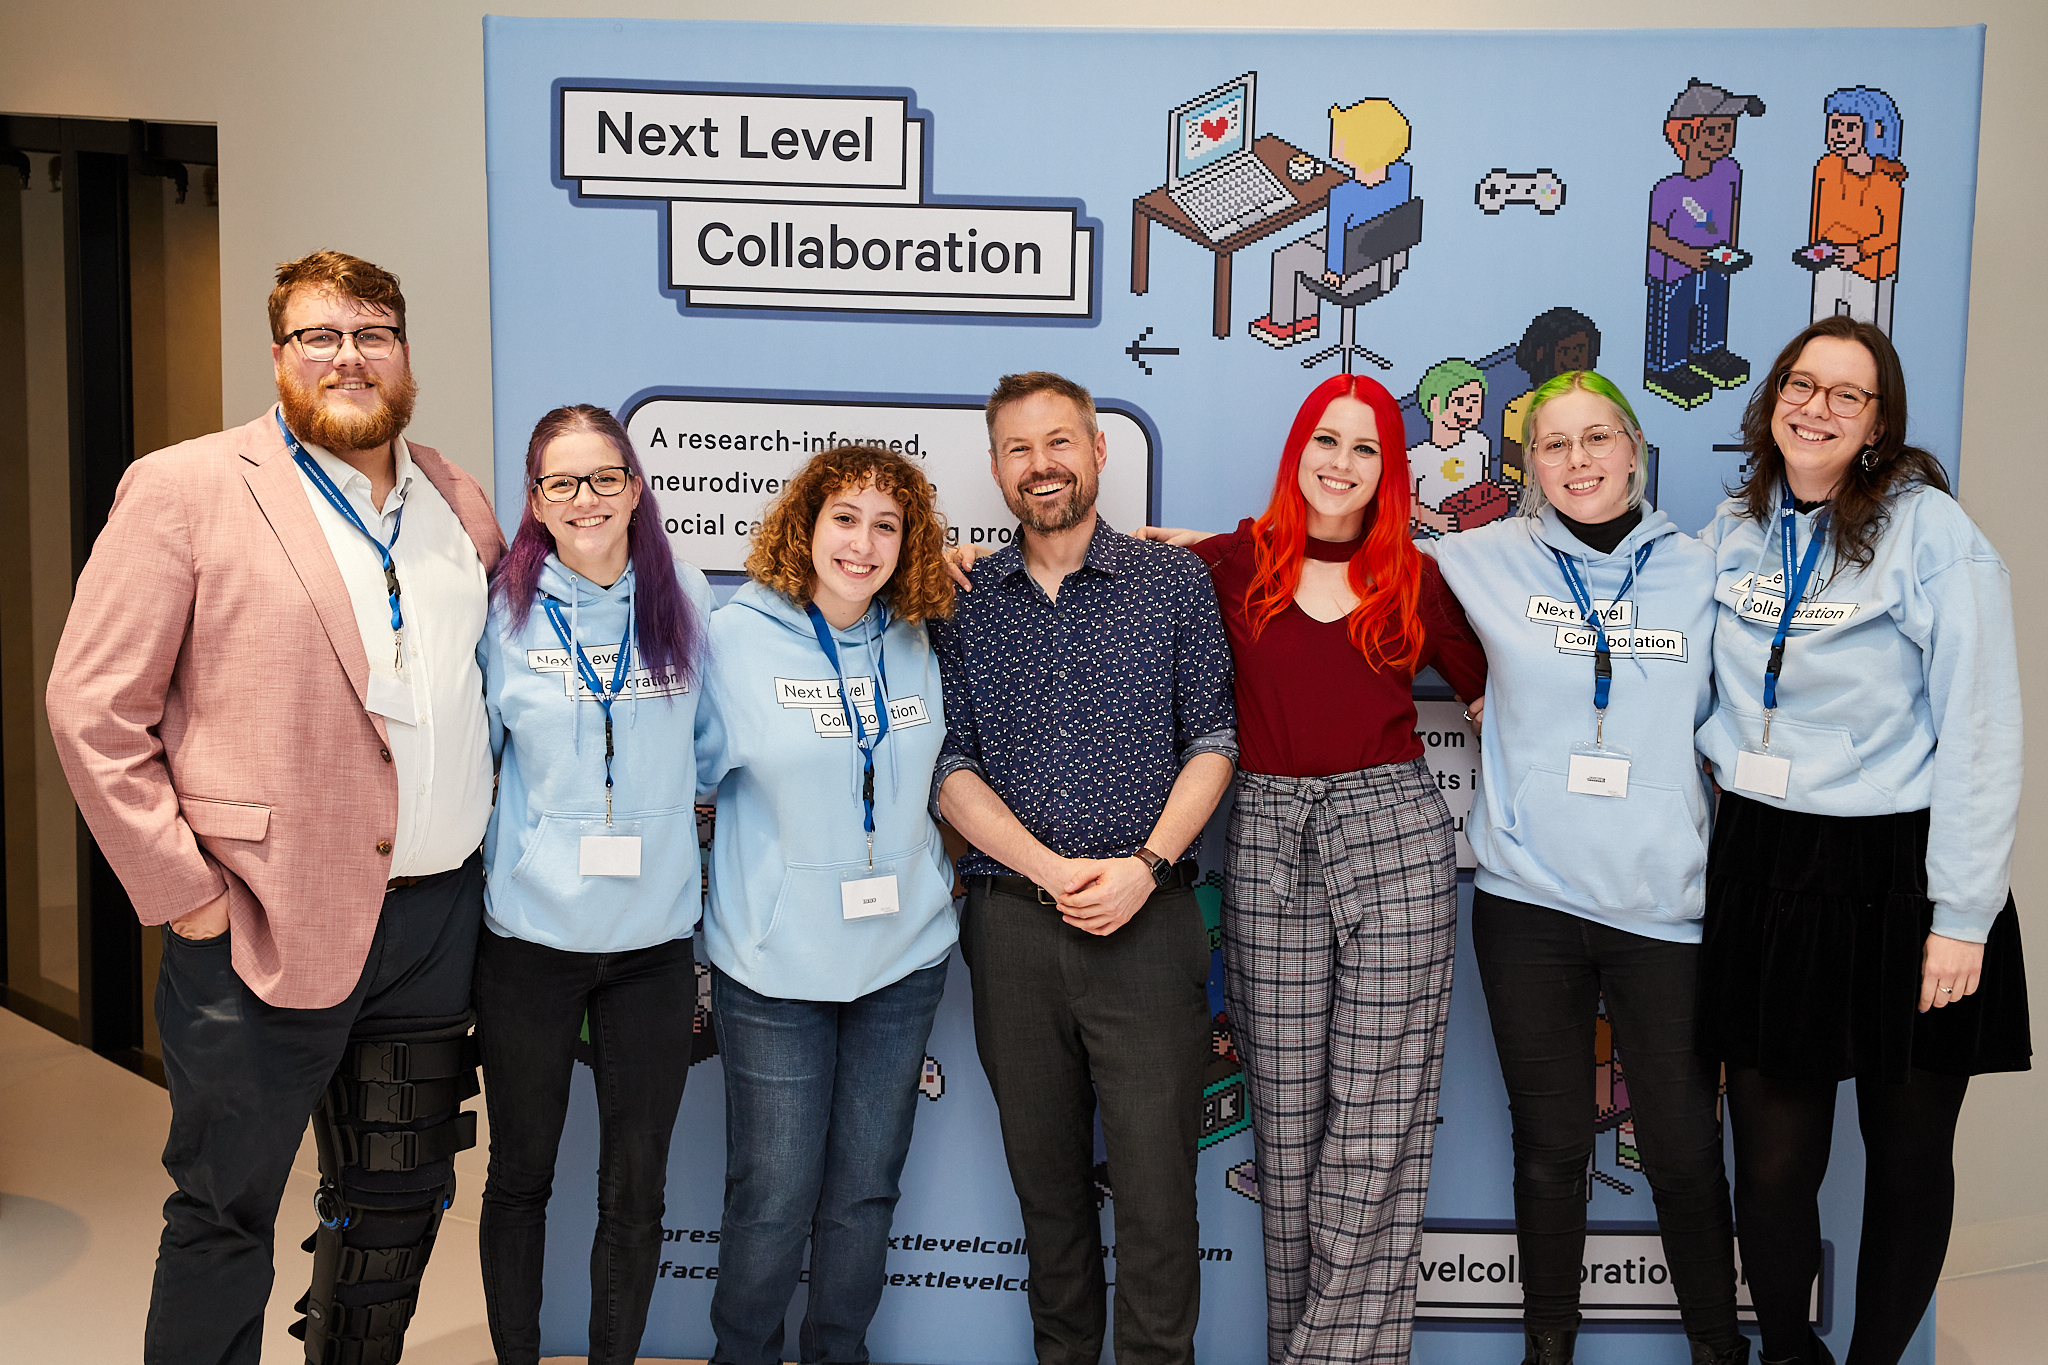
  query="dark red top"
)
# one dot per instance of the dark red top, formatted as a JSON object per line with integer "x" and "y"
{"x": 1308, "y": 703}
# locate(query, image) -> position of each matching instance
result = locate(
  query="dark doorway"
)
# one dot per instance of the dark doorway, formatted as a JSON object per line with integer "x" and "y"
{"x": 109, "y": 348}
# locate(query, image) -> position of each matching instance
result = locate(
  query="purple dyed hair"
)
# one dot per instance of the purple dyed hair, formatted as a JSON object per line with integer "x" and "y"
{"x": 667, "y": 631}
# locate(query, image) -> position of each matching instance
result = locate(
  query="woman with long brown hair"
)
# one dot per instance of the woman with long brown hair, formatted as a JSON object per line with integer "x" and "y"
{"x": 1340, "y": 899}
{"x": 1859, "y": 916}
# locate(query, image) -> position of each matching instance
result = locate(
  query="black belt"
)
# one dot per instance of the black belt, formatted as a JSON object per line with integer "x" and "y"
{"x": 1184, "y": 875}
{"x": 399, "y": 883}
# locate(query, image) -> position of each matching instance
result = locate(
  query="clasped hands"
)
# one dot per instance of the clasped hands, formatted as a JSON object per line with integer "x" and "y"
{"x": 1097, "y": 895}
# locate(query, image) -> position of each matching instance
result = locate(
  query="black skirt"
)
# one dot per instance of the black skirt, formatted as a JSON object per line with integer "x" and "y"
{"x": 1810, "y": 966}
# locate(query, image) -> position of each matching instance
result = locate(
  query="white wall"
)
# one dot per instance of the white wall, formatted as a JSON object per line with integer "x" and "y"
{"x": 398, "y": 177}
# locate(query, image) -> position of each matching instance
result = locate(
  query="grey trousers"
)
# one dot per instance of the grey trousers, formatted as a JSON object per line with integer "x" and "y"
{"x": 1340, "y": 919}
{"x": 1066, "y": 1021}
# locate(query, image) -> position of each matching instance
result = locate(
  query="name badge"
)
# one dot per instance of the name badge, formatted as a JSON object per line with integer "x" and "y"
{"x": 1764, "y": 774}
{"x": 868, "y": 897}
{"x": 609, "y": 855}
{"x": 391, "y": 697}
{"x": 1597, "y": 771}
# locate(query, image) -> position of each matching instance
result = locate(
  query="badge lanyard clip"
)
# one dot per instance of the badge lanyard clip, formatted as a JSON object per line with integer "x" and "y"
{"x": 588, "y": 672}
{"x": 313, "y": 471}
{"x": 866, "y": 746}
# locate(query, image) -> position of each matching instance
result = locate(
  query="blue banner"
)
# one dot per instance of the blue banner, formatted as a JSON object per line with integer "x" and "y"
{"x": 756, "y": 240}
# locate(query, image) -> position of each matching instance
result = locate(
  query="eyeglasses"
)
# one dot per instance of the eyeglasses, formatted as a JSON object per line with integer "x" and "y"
{"x": 1597, "y": 442}
{"x": 606, "y": 482}
{"x": 324, "y": 343}
{"x": 1844, "y": 400}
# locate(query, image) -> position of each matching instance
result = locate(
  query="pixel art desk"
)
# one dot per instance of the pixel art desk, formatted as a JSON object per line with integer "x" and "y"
{"x": 1156, "y": 207}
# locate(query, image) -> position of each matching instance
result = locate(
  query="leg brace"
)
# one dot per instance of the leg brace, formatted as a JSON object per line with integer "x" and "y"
{"x": 387, "y": 1131}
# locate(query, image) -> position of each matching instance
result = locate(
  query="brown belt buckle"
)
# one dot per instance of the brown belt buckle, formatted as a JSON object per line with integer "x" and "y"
{"x": 1045, "y": 897}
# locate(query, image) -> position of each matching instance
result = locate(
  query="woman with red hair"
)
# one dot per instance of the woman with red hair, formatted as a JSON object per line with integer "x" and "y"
{"x": 1340, "y": 900}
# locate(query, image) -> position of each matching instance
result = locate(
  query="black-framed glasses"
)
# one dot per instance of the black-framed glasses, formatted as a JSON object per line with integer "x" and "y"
{"x": 606, "y": 482}
{"x": 1844, "y": 400}
{"x": 1597, "y": 442}
{"x": 324, "y": 343}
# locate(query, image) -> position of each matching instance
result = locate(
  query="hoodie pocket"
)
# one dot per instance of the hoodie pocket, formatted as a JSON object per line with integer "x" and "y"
{"x": 669, "y": 863}
{"x": 807, "y": 924}
{"x": 1641, "y": 854}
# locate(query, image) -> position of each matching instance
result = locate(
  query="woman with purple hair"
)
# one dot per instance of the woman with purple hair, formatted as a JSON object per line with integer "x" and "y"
{"x": 589, "y": 663}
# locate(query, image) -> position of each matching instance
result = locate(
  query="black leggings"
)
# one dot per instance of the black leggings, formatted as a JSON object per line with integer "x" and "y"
{"x": 1782, "y": 1130}
{"x": 1545, "y": 973}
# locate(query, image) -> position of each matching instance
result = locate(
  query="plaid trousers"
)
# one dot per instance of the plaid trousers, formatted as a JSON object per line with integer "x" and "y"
{"x": 1340, "y": 918}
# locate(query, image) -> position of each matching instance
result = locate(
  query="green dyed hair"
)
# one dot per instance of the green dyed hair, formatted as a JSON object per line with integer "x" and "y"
{"x": 1443, "y": 379}
{"x": 1600, "y": 386}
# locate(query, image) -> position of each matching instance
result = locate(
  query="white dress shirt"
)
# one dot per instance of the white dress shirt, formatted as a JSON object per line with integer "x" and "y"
{"x": 443, "y": 756}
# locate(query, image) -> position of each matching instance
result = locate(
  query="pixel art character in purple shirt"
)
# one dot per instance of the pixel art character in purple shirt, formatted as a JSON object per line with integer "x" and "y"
{"x": 1695, "y": 216}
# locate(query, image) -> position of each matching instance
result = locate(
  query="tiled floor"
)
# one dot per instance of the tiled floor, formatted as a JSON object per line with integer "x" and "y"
{"x": 81, "y": 1189}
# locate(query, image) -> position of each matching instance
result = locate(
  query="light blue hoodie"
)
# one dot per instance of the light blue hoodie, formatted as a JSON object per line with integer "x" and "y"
{"x": 1900, "y": 689}
{"x": 550, "y": 747}
{"x": 1637, "y": 863}
{"x": 773, "y": 739}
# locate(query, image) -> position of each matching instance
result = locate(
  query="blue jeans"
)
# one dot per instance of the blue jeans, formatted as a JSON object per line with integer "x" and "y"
{"x": 1688, "y": 319}
{"x": 820, "y": 1096}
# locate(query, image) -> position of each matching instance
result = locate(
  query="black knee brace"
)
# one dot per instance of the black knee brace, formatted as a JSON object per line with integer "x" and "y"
{"x": 387, "y": 1131}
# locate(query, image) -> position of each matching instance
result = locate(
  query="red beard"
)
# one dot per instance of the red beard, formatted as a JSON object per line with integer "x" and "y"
{"x": 315, "y": 423}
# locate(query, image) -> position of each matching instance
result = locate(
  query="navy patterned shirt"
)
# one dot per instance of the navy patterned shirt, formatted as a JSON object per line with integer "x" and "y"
{"x": 1079, "y": 712}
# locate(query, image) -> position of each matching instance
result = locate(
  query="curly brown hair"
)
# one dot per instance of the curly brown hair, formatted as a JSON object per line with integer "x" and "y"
{"x": 335, "y": 272}
{"x": 919, "y": 590}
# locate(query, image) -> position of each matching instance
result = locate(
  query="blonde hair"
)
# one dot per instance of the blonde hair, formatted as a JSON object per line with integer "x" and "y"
{"x": 1374, "y": 133}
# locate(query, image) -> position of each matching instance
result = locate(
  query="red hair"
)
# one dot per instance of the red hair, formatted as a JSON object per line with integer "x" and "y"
{"x": 1386, "y": 573}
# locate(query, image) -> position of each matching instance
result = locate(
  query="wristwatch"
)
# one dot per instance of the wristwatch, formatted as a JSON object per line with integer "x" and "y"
{"x": 1162, "y": 870}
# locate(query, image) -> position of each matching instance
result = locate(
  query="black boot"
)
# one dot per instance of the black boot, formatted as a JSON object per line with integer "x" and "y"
{"x": 1703, "y": 1354}
{"x": 1816, "y": 1353}
{"x": 1552, "y": 1346}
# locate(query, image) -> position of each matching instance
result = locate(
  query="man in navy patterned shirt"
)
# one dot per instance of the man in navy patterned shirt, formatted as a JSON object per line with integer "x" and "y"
{"x": 1090, "y": 733}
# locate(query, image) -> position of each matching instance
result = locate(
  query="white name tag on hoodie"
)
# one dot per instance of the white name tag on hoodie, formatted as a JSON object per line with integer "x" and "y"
{"x": 868, "y": 897}
{"x": 1762, "y": 773}
{"x": 609, "y": 855}
{"x": 1597, "y": 772}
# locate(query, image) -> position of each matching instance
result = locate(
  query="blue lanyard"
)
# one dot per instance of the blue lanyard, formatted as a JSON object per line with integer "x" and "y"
{"x": 341, "y": 504}
{"x": 1795, "y": 588}
{"x": 1582, "y": 594}
{"x": 853, "y": 720}
{"x": 588, "y": 672}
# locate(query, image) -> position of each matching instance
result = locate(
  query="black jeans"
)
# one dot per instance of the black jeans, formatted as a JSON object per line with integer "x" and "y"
{"x": 244, "y": 1077}
{"x": 1065, "y": 1021}
{"x": 531, "y": 1002}
{"x": 1545, "y": 973}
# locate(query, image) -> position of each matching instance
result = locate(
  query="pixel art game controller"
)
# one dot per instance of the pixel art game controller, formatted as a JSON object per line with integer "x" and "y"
{"x": 1816, "y": 257}
{"x": 1727, "y": 259}
{"x": 1541, "y": 190}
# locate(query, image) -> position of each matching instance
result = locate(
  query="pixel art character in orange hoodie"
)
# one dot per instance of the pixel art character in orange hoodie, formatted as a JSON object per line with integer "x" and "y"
{"x": 1858, "y": 189}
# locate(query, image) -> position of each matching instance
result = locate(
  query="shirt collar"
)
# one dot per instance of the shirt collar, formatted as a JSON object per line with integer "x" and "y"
{"x": 1109, "y": 553}
{"x": 349, "y": 479}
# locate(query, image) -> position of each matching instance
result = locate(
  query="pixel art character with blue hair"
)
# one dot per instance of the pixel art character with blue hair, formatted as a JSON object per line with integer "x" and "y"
{"x": 1859, "y": 188}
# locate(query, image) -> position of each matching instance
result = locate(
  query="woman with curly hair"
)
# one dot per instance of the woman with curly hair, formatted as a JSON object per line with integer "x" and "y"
{"x": 1340, "y": 904}
{"x": 831, "y": 914}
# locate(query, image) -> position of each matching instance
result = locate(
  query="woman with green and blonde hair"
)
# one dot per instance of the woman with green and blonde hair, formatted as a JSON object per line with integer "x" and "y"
{"x": 1590, "y": 827}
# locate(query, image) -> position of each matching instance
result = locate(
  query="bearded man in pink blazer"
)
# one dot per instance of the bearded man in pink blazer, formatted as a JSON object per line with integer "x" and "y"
{"x": 268, "y": 704}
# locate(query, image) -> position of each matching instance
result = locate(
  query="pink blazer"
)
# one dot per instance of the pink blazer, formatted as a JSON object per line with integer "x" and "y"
{"x": 208, "y": 705}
